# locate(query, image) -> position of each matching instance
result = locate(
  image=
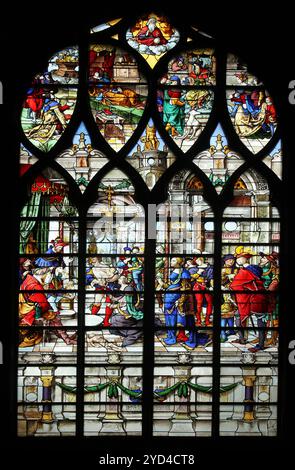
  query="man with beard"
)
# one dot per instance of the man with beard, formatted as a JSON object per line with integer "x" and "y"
{"x": 151, "y": 35}
{"x": 35, "y": 308}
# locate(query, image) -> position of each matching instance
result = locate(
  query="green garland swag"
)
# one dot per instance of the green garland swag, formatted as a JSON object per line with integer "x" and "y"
{"x": 182, "y": 389}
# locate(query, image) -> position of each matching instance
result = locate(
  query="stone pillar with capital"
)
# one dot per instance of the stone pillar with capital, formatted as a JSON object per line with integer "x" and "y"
{"x": 47, "y": 381}
{"x": 249, "y": 400}
{"x": 47, "y": 424}
{"x": 248, "y": 424}
{"x": 113, "y": 422}
{"x": 181, "y": 422}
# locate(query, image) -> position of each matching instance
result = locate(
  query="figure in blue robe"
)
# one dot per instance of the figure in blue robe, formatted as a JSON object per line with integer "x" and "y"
{"x": 173, "y": 317}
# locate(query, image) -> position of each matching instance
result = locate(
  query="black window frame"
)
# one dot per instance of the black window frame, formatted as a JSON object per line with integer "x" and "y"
{"x": 281, "y": 193}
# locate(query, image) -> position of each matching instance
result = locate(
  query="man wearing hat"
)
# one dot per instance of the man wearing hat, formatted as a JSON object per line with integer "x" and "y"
{"x": 53, "y": 258}
{"x": 249, "y": 295}
{"x": 25, "y": 267}
{"x": 228, "y": 306}
{"x": 52, "y": 261}
{"x": 35, "y": 307}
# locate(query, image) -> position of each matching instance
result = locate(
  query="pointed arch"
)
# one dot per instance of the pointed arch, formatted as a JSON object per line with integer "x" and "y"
{"x": 170, "y": 139}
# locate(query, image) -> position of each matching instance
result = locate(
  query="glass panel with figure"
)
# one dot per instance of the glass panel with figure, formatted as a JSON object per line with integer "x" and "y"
{"x": 184, "y": 277}
{"x": 110, "y": 64}
{"x": 46, "y": 114}
{"x": 253, "y": 115}
{"x": 149, "y": 230}
{"x": 184, "y": 113}
{"x": 117, "y": 110}
{"x": 152, "y": 36}
{"x": 194, "y": 67}
{"x": 250, "y": 271}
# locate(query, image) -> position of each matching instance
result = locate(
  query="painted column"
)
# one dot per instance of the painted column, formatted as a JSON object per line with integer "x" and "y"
{"x": 112, "y": 422}
{"x": 249, "y": 423}
{"x": 249, "y": 398}
{"x": 182, "y": 423}
{"x": 47, "y": 381}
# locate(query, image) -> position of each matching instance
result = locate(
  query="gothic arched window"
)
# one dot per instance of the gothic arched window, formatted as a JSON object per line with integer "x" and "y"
{"x": 148, "y": 240}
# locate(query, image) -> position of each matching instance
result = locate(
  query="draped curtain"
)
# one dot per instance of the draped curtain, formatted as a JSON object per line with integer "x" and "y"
{"x": 37, "y": 207}
{"x": 43, "y": 225}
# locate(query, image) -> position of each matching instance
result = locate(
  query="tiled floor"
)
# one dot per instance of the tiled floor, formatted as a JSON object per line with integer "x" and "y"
{"x": 104, "y": 341}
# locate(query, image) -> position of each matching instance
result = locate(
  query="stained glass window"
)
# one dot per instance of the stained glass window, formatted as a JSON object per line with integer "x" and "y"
{"x": 149, "y": 239}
